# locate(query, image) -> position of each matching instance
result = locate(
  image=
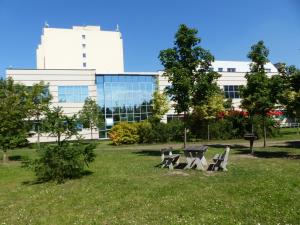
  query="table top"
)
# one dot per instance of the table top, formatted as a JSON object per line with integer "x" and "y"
{"x": 201, "y": 148}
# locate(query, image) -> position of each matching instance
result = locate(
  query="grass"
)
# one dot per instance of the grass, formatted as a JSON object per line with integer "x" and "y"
{"x": 125, "y": 187}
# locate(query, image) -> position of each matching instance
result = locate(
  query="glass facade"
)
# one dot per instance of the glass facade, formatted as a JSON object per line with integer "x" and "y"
{"x": 124, "y": 98}
{"x": 73, "y": 94}
{"x": 232, "y": 91}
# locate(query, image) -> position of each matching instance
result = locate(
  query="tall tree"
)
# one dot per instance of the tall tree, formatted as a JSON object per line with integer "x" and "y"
{"x": 38, "y": 103}
{"x": 188, "y": 68}
{"x": 257, "y": 93}
{"x": 13, "y": 114}
{"x": 90, "y": 115}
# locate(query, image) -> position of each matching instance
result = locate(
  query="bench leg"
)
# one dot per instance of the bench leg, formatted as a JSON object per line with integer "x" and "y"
{"x": 198, "y": 164}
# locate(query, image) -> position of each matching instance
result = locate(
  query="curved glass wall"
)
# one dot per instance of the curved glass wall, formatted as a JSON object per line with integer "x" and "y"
{"x": 124, "y": 97}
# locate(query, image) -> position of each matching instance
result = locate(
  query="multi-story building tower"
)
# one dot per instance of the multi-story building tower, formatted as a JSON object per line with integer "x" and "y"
{"x": 82, "y": 47}
{"x": 87, "y": 62}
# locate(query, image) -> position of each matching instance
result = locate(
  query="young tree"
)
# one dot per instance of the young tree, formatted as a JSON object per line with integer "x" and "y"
{"x": 59, "y": 125}
{"x": 257, "y": 93}
{"x": 209, "y": 111}
{"x": 13, "y": 114}
{"x": 160, "y": 106}
{"x": 187, "y": 67}
{"x": 90, "y": 115}
{"x": 38, "y": 103}
{"x": 62, "y": 160}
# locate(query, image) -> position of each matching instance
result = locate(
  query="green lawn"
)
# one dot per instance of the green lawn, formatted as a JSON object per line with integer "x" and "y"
{"x": 125, "y": 187}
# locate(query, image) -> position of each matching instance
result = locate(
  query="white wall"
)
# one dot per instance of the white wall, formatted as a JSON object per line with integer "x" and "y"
{"x": 55, "y": 78}
{"x": 62, "y": 49}
{"x": 227, "y": 78}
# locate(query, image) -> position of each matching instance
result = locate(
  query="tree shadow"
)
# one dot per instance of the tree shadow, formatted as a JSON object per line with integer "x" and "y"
{"x": 268, "y": 154}
{"x": 15, "y": 158}
{"x": 288, "y": 144}
{"x": 36, "y": 182}
{"x": 153, "y": 152}
{"x": 232, "y": 146}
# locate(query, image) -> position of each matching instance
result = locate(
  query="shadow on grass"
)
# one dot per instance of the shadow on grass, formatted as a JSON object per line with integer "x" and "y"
{"x": 288, "y": 144}
{"x": 233, "y": 146}
{"x": 268, "y": 154}
{"x": 15, "y": 158}
{"x": 35, "y": 182}
{"x": 153, "y": 152}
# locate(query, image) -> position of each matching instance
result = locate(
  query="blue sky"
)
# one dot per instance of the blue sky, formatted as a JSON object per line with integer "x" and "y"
{"x": 227, "y": 28}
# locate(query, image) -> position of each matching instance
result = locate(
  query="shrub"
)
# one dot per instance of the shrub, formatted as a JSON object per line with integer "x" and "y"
{"x": 65, "y": 161}
{"x": 145, "y": 132}
{"x": 124, "y": 133}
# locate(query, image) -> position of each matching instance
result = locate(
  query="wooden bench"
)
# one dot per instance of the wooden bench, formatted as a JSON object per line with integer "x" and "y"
{"x": 168, "y": 159}
{"x": 220, "y": 161}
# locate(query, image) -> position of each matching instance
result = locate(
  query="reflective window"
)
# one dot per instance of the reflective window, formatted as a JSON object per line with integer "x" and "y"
{"x": 231, "y": 69}
{"x": 125, "y": 97}
{"x": 232, "y": 91}
{"x": 72, "y": 94}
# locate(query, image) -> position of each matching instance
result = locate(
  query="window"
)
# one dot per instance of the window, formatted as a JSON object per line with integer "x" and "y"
{"x": 268, "y": 70}
{"x": 231, "y": 69}
{"x": 73, "y": 94}
{"x": 83, "y": 36}
{"x": 84, "y": 55}
{"x": 83, "y": 45}
{"x": 232, "y": 91}
{"x": 220, "y": 69}
{"x": 84, "y": 64}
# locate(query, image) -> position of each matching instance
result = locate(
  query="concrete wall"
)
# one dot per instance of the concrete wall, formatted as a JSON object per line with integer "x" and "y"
{"x": 63, "y": 49}
{"x": 55, "y": 78}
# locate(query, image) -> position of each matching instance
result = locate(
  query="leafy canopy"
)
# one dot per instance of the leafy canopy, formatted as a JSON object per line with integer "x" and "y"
{"x": 188, "y": 68}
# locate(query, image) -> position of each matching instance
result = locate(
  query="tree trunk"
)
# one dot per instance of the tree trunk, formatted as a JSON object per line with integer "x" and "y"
{"x": 265, "y": 133}
{"x": 185, "y": 131}
{"x": 251, "y": 147}
{"x": 5, "y": 157}
{"x": 208, "y": 134}
{"x": 38, "y": 135}
{"x": 91, "y": 132}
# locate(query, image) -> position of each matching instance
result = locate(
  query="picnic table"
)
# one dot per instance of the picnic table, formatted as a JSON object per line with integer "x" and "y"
{"x": 168, "y": 159}
{"x": 195, "y": 157}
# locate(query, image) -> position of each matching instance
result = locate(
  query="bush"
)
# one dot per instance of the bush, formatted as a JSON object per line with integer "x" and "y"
{"x": 65, "y": 161}
{"x": 124, "y": 133}
{"x": 145, "y": 132}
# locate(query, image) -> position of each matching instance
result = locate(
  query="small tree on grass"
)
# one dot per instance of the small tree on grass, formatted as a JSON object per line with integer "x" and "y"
{"x": 38, "y": 103}
{"x": 58, "y": 125}
{"x": 90, "y": 115}
{"x": 257, "y": 93}
{"x": 160, "y": 106}
{"x": 209, "y": 111}
{"x": 187, "y": 67}
{"x": 13, "y": 113}
{"x": 62, "y": 160}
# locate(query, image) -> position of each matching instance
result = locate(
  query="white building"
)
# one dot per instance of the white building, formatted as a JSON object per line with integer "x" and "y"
{"x": 86, "y": 62}
{"x": 82, "y": 47}
{"x": 232, "y": 77}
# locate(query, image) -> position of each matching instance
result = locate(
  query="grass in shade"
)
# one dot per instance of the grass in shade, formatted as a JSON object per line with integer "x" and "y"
{"x": 125, "y": 187}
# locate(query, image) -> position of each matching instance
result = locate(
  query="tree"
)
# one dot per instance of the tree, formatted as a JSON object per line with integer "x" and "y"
{"x": 38, "y": 103}
{"x": 59, "y": 125}
{"x": 160, "y": 106}
{"x": 210, "y": 110}
{"x": 13, "y": 114}
{"x": 257, "y": 93}
{"x": 188, "y": 68}
{"x": 90, "y": 115}
{"x": 62, "y": 160}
